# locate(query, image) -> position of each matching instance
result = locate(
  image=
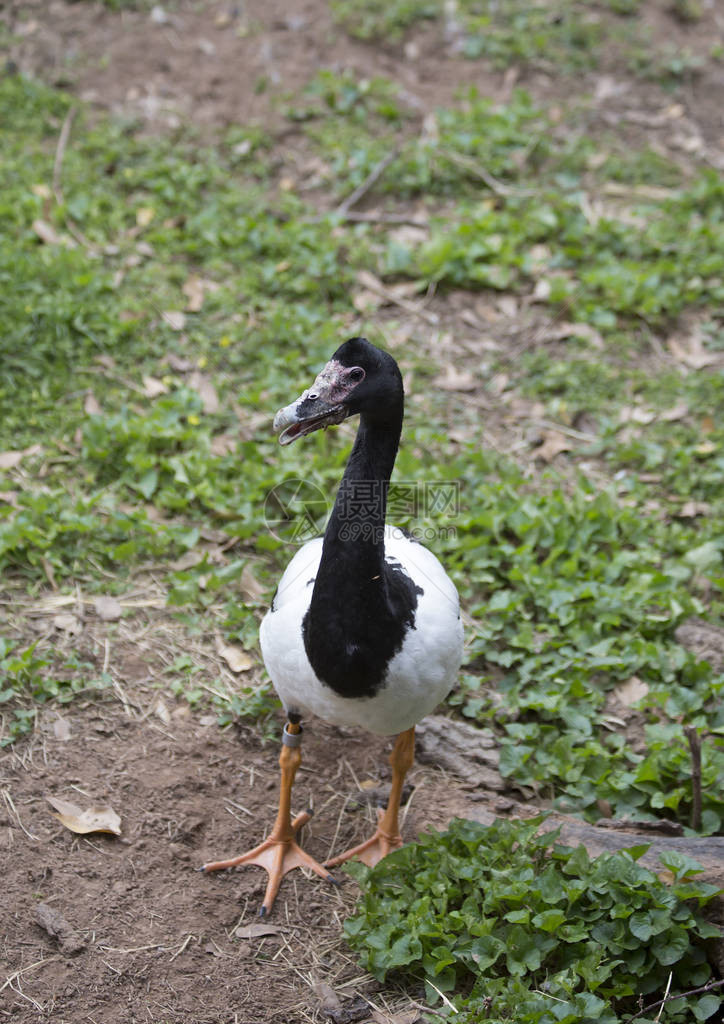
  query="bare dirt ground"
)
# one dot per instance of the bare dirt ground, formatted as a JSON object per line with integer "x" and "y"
{"x": 146, "y": 938}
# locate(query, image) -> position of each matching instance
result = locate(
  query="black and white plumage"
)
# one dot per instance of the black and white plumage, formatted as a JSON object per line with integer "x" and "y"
{"x": 403, "y": 679}
{"x": 365, "y": 626}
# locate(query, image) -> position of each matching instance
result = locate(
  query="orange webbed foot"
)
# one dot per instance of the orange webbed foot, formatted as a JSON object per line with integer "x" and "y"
{"x": 373, "y": 849}
{"x": 277, "y": 855}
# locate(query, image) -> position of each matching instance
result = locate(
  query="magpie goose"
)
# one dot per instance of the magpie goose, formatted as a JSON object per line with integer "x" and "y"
{"x": 365, "y": 628}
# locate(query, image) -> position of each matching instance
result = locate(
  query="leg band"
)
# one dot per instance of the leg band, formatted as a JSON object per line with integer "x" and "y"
{"x": 292, "y": 739}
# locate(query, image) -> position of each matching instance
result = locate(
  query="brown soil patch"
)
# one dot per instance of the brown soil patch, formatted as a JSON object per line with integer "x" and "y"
{"x": 152, "y": 939}
{"x": 222, "y": 63}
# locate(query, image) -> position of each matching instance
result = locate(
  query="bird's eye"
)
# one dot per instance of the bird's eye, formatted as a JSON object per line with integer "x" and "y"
{"x": 356, "y": 374}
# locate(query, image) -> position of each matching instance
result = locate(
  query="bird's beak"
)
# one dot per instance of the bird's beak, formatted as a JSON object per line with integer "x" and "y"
{"x": 319, "y": 406}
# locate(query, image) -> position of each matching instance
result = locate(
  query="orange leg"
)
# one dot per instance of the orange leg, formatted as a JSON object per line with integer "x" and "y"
{"x": 387, "y": 834}
{"x": 280, "y": 852}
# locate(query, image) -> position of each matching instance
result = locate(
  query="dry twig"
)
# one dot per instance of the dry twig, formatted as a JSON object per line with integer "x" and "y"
{"x": 370, "y": 282}
{"x": 363, "y": 188}
{"x": 428, "y": 1009}
{"x": 179, "y": 951}
{"x": 60, "y": 149}
{"x": 695, "y": 746}
{"x": 666, "y": 994}
{"x": 709, "y": 987}
{"x": 24, "y": 970}
{"x": 11, "y": 806}
{"x": 383, "y": 218}
{"x": 60, "y": 153}
{"x": 493, "y": 183}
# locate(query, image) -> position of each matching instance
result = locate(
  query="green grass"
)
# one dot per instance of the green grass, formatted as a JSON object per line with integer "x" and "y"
{"x": 575, "y": 582}
{"x": 29, "y": 680}
{"x": 154, "y": 448}
{"x": 562, "y": 36}
{"x": 510, "y": 926}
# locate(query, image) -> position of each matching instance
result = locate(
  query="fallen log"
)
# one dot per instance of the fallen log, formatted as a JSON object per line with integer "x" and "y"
{"x": 471, "y": 755}
{"x": 707, "y": 850}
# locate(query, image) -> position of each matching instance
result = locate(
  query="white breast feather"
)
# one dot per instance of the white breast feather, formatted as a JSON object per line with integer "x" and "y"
{"x": 419, "y": 676}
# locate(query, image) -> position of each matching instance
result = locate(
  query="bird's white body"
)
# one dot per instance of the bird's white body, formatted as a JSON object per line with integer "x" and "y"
{"x": 418, "y": 676}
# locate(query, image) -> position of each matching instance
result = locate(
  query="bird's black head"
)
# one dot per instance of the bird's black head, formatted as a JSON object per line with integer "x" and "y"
{"x": 359, "y": 378}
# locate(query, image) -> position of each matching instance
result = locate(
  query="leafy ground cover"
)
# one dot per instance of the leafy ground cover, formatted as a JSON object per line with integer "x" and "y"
{"x": 566, "y": 34}
{"x": 571, "y": 590}
{"x": 553, "y": 293}
{"x": 533, "y": 931}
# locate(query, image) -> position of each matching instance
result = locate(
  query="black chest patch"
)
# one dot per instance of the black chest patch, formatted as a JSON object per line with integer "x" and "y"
{"x": 352, "y": 633}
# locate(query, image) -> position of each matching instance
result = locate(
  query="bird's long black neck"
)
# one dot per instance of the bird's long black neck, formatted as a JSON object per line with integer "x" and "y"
{"x": 355, "y": 531}
{"x": 360, "y": 607}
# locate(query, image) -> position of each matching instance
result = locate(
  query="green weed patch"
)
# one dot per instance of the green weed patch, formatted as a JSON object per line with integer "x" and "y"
{"x": 29, "y": 680}
{"x": 510, "y": 926}
{"x": 151, "y": 437}
{"x": 567, "y": 36}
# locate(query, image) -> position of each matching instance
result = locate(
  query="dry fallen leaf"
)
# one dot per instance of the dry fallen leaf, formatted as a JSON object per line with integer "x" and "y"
{"x": 92, "y": 819}
{"x": 235, "y": 657}
{"x": 692, "y": 509}
{"x": 410, "y": 236}
{"x": 455, "y": 380}
{"x": 161, "y": 711}
{"x": 91, "y": 405}
{"x": 153, "y": 387}
{"x": 144, "y": 216}
{"x": 631, "y": 691}
{"x": 175, "y": 319}
{"x": 179, "y": 364}
{"x": 256, "y": 931}
{"x": 194, "y": 289}
{"x": 47, "y": 234}
{"x": 329, "y": 1002}
{"x": 705, "y": 448}
{"x": 690, "y": 350}
{"x": 251, "y": 588}
{"x": 508, "y": 306}
{"x": 68, "y": 623}
{"x": 586, "y": 332}
{"x": 366, "y": 301}
{"x": 636, "y": 414}
{"x": 187, "y": 560}
{"x": 107, "y": 608}
{"x": 223, "y": 444}
{"x": 553, "y": 444}
{"x": 207, "y": 392}
{"x": 61, "y": 729}
{"x": 498, "y": 383}
{"x": 9, "y": 460}
{"x": 676, "y": 412}
{"x": 49, "y": 572}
